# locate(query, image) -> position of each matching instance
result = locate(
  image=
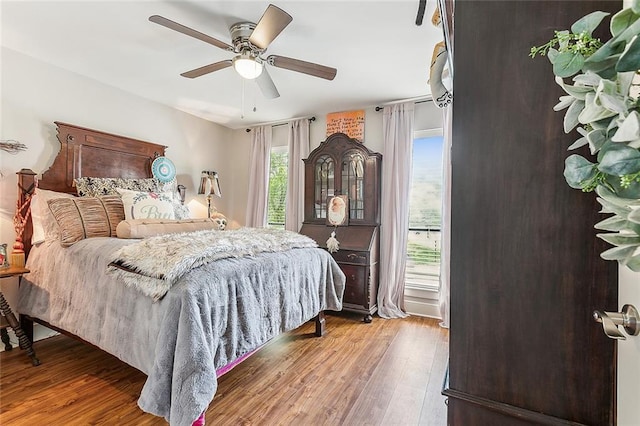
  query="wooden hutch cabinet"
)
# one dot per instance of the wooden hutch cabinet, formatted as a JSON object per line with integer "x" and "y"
{"x": 344, "y": 166}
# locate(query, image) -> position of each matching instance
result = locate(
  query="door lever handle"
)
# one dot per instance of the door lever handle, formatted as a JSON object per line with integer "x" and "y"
{"x": 628, "y": 318}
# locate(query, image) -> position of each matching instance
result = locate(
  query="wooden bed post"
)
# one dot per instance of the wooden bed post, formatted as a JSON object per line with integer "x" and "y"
{"x": 26, "y": 188}
{"x": 320, "y": 324}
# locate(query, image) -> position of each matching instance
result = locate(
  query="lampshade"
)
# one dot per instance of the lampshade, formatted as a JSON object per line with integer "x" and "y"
{"x": 209, "y": 183}
{"x": 247, "y": 66}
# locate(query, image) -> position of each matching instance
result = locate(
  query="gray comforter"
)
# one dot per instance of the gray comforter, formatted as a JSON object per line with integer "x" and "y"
{"x": 211, "y": 316}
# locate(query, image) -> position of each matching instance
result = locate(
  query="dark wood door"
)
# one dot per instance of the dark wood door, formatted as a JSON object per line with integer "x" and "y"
{"x": 525, "y": 268}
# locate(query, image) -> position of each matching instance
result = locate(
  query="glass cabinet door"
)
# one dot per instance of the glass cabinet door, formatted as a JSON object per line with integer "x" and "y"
{"x": 324, "y": 185}
{"x": 353, "y": 183}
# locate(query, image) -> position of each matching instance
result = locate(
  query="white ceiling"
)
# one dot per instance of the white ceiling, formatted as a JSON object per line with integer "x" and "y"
{"x": 380, "y": 54}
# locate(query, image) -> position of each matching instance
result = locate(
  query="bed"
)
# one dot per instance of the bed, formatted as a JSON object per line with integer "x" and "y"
{"x": 212, "y": 315}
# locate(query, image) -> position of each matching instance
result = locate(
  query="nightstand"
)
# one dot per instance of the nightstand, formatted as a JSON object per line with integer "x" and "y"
{"x": 5, "y": 309}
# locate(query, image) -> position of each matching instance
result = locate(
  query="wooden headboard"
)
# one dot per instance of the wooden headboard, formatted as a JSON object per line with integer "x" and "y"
{"x": 87, "y": 152}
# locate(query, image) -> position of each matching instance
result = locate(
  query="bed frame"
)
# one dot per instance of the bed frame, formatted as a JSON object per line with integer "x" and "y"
{"x": 87, "y": 152}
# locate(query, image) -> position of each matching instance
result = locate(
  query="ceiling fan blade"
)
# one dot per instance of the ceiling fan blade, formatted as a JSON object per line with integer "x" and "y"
{"x": 310, "y": 68}
{"x": 216, "y": 66}
{"x": 160, "y": 20}
{"x": 272, "y": 22}
{"x": 266, "y": 85}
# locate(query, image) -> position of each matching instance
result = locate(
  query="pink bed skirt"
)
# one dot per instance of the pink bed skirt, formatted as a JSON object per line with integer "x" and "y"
{"x": 221, "y": 371}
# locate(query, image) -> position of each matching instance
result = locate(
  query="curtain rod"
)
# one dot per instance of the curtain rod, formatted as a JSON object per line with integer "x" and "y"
{"x": 419, "y": 101}
{"x": 281, "y": 124}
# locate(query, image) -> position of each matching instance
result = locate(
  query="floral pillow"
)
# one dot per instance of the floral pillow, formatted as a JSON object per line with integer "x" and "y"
{"x": 95, "y": 187}
{"x": 147, "y": 205}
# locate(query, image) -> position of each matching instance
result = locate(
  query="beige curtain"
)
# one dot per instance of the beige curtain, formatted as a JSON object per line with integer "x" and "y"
{"x": 445, "y": 247}
{"x": 397, "y": 122}
{"x": 259, "y": 162}
{"x": 298, "y": 150}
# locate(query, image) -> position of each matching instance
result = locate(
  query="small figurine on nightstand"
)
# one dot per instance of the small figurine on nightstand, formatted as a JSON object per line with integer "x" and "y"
{"x": 4, "y": 262}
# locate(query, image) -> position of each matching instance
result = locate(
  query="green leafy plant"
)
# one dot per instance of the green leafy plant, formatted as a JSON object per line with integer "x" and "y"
{"x": 603, "y": 106}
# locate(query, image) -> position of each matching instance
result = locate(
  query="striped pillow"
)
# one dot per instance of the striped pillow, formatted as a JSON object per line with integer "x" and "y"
{"x": 86, "y": 217}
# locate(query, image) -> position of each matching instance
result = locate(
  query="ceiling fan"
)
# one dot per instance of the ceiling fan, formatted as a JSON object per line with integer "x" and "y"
{"x": 249, "y": 43}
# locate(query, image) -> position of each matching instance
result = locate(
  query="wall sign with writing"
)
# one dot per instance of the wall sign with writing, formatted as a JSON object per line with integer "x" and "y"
{"x": 350, "y": 123}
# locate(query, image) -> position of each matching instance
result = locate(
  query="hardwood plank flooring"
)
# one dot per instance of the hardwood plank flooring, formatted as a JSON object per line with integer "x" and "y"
{"x": 389, "y": 372}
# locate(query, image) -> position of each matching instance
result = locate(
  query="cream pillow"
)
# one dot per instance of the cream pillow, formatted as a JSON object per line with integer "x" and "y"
{"x": 86, "y": 217}
{"x": 45, "y": 227}
{"x": 147, "y": 205}
{"x": 143, "y": 228}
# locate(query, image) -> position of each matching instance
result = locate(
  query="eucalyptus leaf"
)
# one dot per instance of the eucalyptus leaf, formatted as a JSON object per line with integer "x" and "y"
{"x": 635, "y": 6}
{"x": 587, "y": 79}
{"x": 620, "y": 162}
{"x": 630, "y": 59}
{"x": 634, "y": 216}
{"x": 620, "y": 239}
{"x": 612, "y": 47}
{"x": 563, "y": 39}
{"x": 578, "y": 143}
{"x": 593, "y": 111}
{"x": 567, "y": 64}
{"x": 605, "y": 68}
{"x": 610, "y": 196}
{"x": 633, "y": 263}
{"x": 629, "y": 33}
{"x": 552, "y": 54}
{"x": 596, "y": 139}
{"x": 577, "y": 170}
{"x": 621, "y": 21}
{"x": 606, "y": 147}
{"x": 613, "y": 223}
{"x": 631, "y": 193}
{"x": 622, "y": 253}
{"x": 608, "y": 207}
{"x": 624, "y": 81}
{"x": 565, "y": 101}
{"x": 588, "y": 23}
{"x": 572, "y": 114}
{"x": 577, "y": 92}
{"x": 629, "y": 129}
{"x": 613, "y": 103}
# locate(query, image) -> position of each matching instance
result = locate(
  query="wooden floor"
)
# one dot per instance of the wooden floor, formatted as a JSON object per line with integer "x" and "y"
{"x": 389, "y": 372}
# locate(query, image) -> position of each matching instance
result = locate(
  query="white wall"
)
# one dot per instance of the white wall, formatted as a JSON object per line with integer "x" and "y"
{"x": 34, "y": 94}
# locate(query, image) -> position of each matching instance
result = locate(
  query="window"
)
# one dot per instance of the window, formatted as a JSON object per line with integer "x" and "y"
{"x": 425, "y": 211}
{"x": 277, "y": 187}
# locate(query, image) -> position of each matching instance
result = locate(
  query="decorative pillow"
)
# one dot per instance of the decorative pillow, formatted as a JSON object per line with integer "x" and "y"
{"x": 180, "y": 210}
{"x": 86, "y": 217}
{"x": 143, "y": 228}
{"x": 147, "y": 205}
{"x": 45, "y": 227}
{"x": 95, "y": 187}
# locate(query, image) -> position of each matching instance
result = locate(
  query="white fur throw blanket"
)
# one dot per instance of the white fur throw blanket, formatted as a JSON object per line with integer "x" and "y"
{"x": 154, "y": 264}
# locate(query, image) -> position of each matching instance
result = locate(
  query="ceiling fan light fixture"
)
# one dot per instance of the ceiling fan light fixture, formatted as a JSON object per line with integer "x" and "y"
{"x": 247, "y": 66}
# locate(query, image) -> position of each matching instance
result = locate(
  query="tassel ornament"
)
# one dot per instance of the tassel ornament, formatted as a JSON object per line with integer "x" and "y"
{"x": 333, "y": 245}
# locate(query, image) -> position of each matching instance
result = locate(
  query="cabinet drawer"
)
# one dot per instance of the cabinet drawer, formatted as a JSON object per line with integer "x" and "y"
{"x": 355, "y": 289}
{"x": 350, "y": 256}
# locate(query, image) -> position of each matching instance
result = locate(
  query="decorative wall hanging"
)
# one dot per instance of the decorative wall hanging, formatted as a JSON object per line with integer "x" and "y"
{"x": 163, "y": 169}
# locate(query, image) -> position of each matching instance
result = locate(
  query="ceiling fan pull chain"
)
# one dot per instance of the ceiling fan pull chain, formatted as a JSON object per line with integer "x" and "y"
{"x": 242, "y": 102}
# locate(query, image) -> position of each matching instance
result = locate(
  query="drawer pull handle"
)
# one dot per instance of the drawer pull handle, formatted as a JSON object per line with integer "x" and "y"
{"x": 353, "y": 255}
